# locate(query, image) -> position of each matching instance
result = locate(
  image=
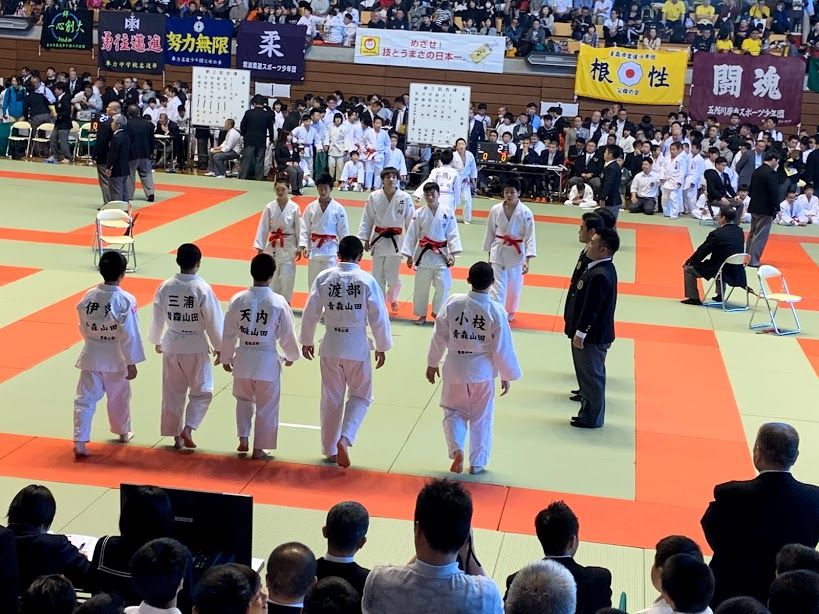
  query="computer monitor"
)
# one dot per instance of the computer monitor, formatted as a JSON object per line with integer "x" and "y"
{"x": 216, "y": 527}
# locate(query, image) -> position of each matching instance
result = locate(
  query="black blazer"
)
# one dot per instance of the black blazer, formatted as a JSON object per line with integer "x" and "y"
{"x": 610, "y": 190}
{"x": 812, "y": 167}
{"x": 367, "y": 117}
{"x": 141, "y": 133}
{"x": 118, "y": 154}
{"x": 41, "y": 554}
{"x": 748, "y": 522}
{"x": 354, "y": 573}
{"x": 579, "y": 269}
{"x": 558, "y": 159}
{"x": 764, "y": 191}
{"x": 103, "y": 144}
{"x": 722, "y": 242}
{"x": 274, "y": 608}
{"x": 593, "y": 585}
{"x": 8, "y": 572}
{"x": 593, "y": 304}
{"x": 594, "y": 165}
{"x": 716, "y": 188}
{"x": 63, "y": 110}
{"x": 257, "y": 124}
{"x": 283, "y": 156}
{"x": 476, "y": 135}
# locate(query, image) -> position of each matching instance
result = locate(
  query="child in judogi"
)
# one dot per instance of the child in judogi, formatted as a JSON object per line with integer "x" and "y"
{"x": 278, "y": 235}
{"x": 430, "y": 246}
{"x": 352, "y": 174}
{"x": 386, "y": 217}
{"x": 349, "y": 300}
{"x": 510, "y": 241}
{"x": 809, "y": 204}
{"x": 449, "y": 182}
{"x": 324, "y": 224}
{"x": 791, "y": 212}
{"x": 693, "y": 178}
{"x": 464, "y": 163}
{"x": 672, "y": 176}
{"x": 581, "y": 195}
{"x": 375, "y": 142}
{"x": 395, "y": 158}
{"x": 257, "y": 319}
{"x": 187, "y": 307}
{"x": 473, "y": 331}
{"x": 108, "y": 323}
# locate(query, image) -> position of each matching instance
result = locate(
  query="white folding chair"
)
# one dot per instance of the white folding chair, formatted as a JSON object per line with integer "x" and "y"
{"x": 42, "y": 135}
{"x": 115, "y": 230}
{"x": 718, "y": 281}
{"x": 766, "y": 273}
{"x": 120, "y": 205}
{"x": 20, "y": 133}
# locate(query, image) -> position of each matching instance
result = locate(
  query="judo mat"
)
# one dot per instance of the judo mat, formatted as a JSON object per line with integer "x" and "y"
{"x": 687, "y": 386}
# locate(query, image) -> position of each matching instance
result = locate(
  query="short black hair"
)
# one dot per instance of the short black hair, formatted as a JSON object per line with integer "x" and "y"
{"x": 101, "y": 603}
{"x": 112, "y": 265}
{"x": 778, "y": 443}
{"x": 720, "y": 160}
{"x": 332, "y": 595}
{"x": 771, "y": 155}
{"x": 512, "y": 183}
{"x": 481, "y": 276}
{"x": 741, "y": 605}
{"x": 52, "y": 594}
{"x": 555, "y": 527}
{"x": 188, "y": 255}
{"x": 157, "y": 570}
{"x": 350, "y": 248}
{"x": 145, "y": 514}
{"x": 262, "y": 267}
{"x": 446, "y": 156}
{"x": 282, "y": 178}
{"x": 793, "y": 557}
{"x": 347, "y": 524}
{"x": 291, "y": 569}
{"x": 223, "y": 589}
{"x": 593, "y": 221}
{"x": 324, "y": 179}
{"x": 689, "y": 583}
{"x": 33, "y": 505}
{"x": 675, "y": 544}
{"x": 609, "y": 238}
{"x": 794, "y": 592}
{"x": 729, "y": 212}
{"x": 431, "y": 186}
{"x": 443, "y": 513}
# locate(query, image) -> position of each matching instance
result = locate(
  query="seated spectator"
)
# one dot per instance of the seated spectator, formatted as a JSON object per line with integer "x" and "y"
{"x": 748, "y": 522}
{"x": 796, "y": 557}
{"x": 346, "y": 533}
{"x": 687, "y": 585}
{"x": 704, "y": 41}
{"x": 674, "y": 12}
{"x": 52, "y": 594}
{"x": 228, "y": 149}
{"x": 40, "y": 553}
{"x": 791, "y": 212}
{"x": 809, "y": 203}
{"x": 291, "y": 571}
{"x": 258, "y": 600}
{"x": 753, "y": 44}
{"x": 223, "y": 589}
{"x": 158, "y": 570}
{"x": 665, "y": 549}
{"x": 581, "y": 195}
{"x": 741, "y": 605}
{"x": 588, "y": 167}
{"x": 795, "y": 592}
{"x": 558, "y": 530}
{"x": 433, "y": 580}
{"x": 590, "y": 37}
{"x": 645, "y": 187}
{"x": 613, "y": 29}
{"x": 332, "y": 595}
{"x": 544, "y": 587}
{"x": 781, "y": 19}
{"x": 101, "y": 603}
{"x": 581, "y": 24}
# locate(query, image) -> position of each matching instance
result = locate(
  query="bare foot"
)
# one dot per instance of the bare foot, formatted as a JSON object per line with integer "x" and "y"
{"x": 394, "y": 305}
{"x": 80, "y": 451}
{"x": 243, "y": 445}
{"x": 457, "y": 462}
{"x": 126, "y": 437}
{"x": 259, "y": 454}
{"x": 342, "y": 457}
{"x": 187, "y": 437}
{"x": 178, "y": 443}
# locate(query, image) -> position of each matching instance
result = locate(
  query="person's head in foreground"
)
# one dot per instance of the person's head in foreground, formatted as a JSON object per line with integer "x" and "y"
{"x": 35, "y": 506}
{"x": 101, "y": 603}
{"x": 794, "y": 592}
{"x": 332, "y": 596}
{"x": 52, "y": 594}
{"x": 291, "y": 570}
{"x": 557, "y": 530}
{"x": 687, "y": 584}
{"x": 776, "y": 447}
{"x": 741, "y": 605}
{"x": 158, "y": 570}
{"x": 481, "y": 276}
{"x": 604, "y": 244}
{"x": 544, "y": 587}
{"x": 443, "y": 517}
{"x": 346, "y": 528}
{"x": 223, "y": 589}
{"x": 796, "y": 557}
{"x": 668, "y": 547}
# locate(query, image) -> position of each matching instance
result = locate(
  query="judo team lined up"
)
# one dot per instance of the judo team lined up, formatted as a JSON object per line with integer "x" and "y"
{"x": 257, "y": 334}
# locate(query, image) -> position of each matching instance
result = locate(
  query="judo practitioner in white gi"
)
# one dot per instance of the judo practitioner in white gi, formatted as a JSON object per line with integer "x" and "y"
{"x": 791, "y": 211}
{"x": 473, "y": 330}
{"x": 510, "y": 241}
{"x": 809, "y": 204}
{"x": 278, "y": 235}
{"x": 352, "y": 174}
{"x": 108, "y": 323}
{"x": 395, "y": 158}
{"x": 430, "y": 246}
{"x": 672, "y": 176}
{"x": 693, "y": 178}
{"x": 257, "y": 319}
{"x": 449, "y": 182}
{"x": 324, "y": 224}
{"x": 185, "y": 308}
{"x": 386, "y": 217}
{"x": 349, "y": 300}
{"x": 464, "y": 162}
{"x": 375, "y": 142}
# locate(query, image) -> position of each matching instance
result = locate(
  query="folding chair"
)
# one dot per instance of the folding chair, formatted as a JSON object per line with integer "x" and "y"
{"x": 73, "y": 138}
{"x": 45, "y": 130}
{"x": 87, "y": 139}
{"x": 735, "y": 260}
{"x": 765, "y": 273}
{"x": 119, "y": 205}
{"x": 111, "y": 220}
{"x": 16, "y": 135}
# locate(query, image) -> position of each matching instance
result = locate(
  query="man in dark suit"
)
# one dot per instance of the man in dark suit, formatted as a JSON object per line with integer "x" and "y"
{"x": 721, "y": 243}
{"x": 400, "y": 121}
{"x": 117, "y": 167}
{"x": 477, "y": 133}
{"x": 101, "y": 148}
{"x": 764, "y": 205}
{"x": 141, "y": 152}
{"x": 346, "y": 533}
{"x": 257, "y": 126}
{"x": 8, "y": 571}
{"x": 748, "y": 522}
{"x": 291, "y": 571}
{"x": 557, "y": 530}
{"x": 609, "y": 196}
{"x": 59, "y": 145}
{"x": 588, "y": 167}
{"x": 74, "y": 85}
{"x": 590, "y": 326}
{"x": 719, "y": 190}
{"x": 552, "y": 156}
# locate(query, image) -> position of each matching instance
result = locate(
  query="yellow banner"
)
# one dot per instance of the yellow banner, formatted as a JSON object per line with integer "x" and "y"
{"x": 636, "y": 76}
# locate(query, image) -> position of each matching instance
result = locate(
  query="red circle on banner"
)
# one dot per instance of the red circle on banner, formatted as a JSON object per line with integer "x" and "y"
{"x": 630, "y": 73}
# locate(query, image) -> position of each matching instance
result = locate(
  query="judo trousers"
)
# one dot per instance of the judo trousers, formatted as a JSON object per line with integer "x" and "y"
{"x": 672, "y": 202}
{"x": 441, "y": 279}
{"x": 262, "y": 399}
{"x": 469, "y": 407}
{"x": 507, "y": 287}
{"x": 340, "y": 375}
{"x": 316, "y": 265}
{"x": 90, "y": 390}
{"x": 185, "y": 374}
{"x": 385, "y": 271}
{"x": 284, "y": 279}
{"x": 466, "y": 201}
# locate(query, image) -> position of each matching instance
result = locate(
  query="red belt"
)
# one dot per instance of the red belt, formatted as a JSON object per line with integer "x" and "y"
{"x": 278, "y": 235}
{"x": 429, "y": 244}
{"x": 390, "y": 231}
{"x": 320, "y": 239}
{"x": 512, "y": 241}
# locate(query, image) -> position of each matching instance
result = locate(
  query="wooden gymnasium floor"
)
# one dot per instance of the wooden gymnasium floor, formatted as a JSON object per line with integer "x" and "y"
{"x": 688, "y": 387}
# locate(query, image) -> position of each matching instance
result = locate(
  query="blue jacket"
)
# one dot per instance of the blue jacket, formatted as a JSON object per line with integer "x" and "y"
{"x": 13, "y": 102}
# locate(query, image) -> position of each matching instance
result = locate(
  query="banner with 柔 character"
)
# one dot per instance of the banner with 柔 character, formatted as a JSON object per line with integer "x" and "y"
{"x": 755, "y": 87}
{"x": 631, "y": 76}
{"x": 272, "y": 51}
{"x": 131, "y": 42}
{"x": 196, "y": 41}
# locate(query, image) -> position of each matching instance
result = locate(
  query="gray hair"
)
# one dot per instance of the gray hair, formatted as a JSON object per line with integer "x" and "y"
{"x": 544, "y": 587}
{"x": 778, "y": 443}
{"x": 120, "y": 120}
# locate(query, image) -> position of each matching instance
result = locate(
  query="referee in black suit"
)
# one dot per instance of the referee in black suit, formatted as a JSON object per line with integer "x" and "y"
{"x": 590, "y": 326}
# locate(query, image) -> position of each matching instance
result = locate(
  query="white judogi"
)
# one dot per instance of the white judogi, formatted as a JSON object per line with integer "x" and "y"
{"x": 509, "y": 243}
{"x": 188, "y": 307}
{"x": 278, "y": 235}
{"x": 791, "y": 214}
{"x": 375, "y": 146}
{"x": 395, "y": 159}
{"x": 383, "y": 224}
{"x": 352, "y": 176}
{"x": 349, "y": 300}
{"x": 320, "y": 233}
{"x": 587, "y": 199}
{"x": 108, "y": 323}
{"x": 810, "y": 207}
{"x": 258, "y": 318}
{"x": 468, "y": 170}
{"x": 449, "y": 183}
{"x": 473, "y": 330}
{"x": 431, "y": 236}
{"x": 693, "y": 181}
{"x": 309, "y": 138}
{"x": 354, "y": 137}
{"x": 672, "y": 173}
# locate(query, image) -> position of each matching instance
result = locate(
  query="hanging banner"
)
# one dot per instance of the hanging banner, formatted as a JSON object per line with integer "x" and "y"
{"x": 630, "y": 75}
{"x": 198, "y": 42}
{"x": 756, "y": 87}
{"x": 430, "y": 50}
{"x": 131, "y": 42}
{"x": 67, "y": 29}
{"x": 271, "y": 50}
{"x": 813, "y": 75}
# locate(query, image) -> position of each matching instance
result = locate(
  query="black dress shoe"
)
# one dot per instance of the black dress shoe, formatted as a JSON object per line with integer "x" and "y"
{"x": 576, "y": 397}
{"x": 716, "y": 298}
{"x": 151, "y": 198}
{"x": 691, "y": 301}
{"x": 575, "y": 391}
{"x": 581, "y": 425}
